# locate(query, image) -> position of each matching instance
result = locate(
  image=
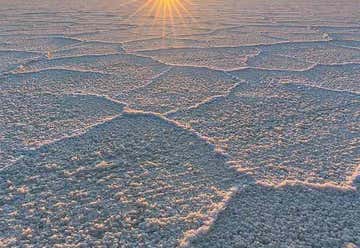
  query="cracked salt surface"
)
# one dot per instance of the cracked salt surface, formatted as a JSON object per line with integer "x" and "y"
{"x": 135, "y": 180}
{"x": 237, "y": 126}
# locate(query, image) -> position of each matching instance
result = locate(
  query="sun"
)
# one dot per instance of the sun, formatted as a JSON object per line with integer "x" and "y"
{"x": 166, "y": 12}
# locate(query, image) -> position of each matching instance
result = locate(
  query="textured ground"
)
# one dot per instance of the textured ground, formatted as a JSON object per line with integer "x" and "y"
{"x": 235, "y": 124}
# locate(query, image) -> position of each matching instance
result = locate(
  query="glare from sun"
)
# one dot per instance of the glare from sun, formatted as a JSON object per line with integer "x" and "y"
{"x": 168, "y": 13}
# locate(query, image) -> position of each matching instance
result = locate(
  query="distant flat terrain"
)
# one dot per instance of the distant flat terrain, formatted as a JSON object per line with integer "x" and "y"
{"x": 170, "y": 123}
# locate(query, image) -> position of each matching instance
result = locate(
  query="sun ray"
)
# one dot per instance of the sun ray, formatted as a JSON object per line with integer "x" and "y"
{"x": 167, "y": 14}
{"x": 141, "y": 8}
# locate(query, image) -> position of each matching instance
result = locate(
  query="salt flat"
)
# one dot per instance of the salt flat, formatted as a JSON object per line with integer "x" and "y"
{"x": 171, "y": 123}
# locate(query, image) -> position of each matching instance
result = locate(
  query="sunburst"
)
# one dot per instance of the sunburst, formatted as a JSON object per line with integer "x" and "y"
{"x": 168, "y": 13}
